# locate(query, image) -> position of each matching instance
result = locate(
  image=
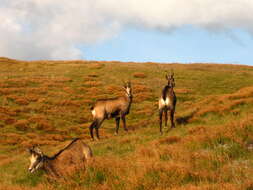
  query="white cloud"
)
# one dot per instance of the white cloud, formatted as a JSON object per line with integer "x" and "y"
{"x": 53, "y": 29}
{"x": 169, "y": 14}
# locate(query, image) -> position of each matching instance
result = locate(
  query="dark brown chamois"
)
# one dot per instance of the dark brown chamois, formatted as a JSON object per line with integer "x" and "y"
{"x": 71, "y": 158}
{"x": 111, "y": 108}
{"x": 167, "y": 102}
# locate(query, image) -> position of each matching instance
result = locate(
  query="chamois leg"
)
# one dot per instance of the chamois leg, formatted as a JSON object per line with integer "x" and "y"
{"x": 161, "y": 120}
{"x": 166, "y": 117}
{"x": 166, "y": 120}
{"x": 94, "y": 123}
{"x": 97, "y": 134}
{"x": 172, "y": 118}
{"x": 117, "y": 119}
{"x": 97, "y": 127}
{"x": 123, "y": 117}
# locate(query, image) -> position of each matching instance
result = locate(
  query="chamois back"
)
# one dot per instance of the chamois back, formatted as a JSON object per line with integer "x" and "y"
{"x": 68, "y": 160}
{"x": 109, "y": 108}
{"x": 73, "y": 157}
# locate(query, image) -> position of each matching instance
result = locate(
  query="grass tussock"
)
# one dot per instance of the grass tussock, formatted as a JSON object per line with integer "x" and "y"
{"x": 96, "y": 66}
{"x": 92, "y": 84}
{"x": 170, "y": 140}
{"x": 139, "y": 75}
{"x": 22, "y": 125}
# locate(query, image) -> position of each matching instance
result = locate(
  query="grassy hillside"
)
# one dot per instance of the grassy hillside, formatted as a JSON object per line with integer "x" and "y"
{"x": 48, "y": 103}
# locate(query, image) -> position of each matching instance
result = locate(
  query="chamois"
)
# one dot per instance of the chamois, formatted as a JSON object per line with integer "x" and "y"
{"x": 167, "y": 101}
{"x": 112, "y": 108}
{"x": 65, "y": 162}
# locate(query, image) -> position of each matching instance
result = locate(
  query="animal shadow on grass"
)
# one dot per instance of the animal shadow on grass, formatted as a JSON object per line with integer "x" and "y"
{"x": 183, "y": 120}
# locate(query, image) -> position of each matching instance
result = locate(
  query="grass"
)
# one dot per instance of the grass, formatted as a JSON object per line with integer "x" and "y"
{"x": 48, "y": 103}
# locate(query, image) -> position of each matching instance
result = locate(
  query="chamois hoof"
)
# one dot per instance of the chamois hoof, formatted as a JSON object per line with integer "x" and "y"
{"x": 116, "y": 134}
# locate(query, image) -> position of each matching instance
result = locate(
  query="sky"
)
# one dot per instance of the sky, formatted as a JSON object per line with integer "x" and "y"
{"x": 186, "y": 31}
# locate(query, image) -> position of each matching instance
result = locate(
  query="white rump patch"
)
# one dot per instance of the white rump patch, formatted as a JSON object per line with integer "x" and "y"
{"x": 93, "y": 112}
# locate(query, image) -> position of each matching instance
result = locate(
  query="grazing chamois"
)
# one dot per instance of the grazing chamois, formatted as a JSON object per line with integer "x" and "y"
{"x": 71, "y": 158}
{"x": 167, "y": 102}
{"x": 112, "y": 108}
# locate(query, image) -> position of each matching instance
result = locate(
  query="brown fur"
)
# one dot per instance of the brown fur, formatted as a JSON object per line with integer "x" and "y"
{"x": 116, "y": 108}
{"x": 167, "y": 102}
{"x": 68, "y": 160}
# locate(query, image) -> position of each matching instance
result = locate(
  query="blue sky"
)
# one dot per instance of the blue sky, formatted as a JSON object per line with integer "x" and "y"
{"x": 164, "y": 31}
{"x": 184, "y": 45}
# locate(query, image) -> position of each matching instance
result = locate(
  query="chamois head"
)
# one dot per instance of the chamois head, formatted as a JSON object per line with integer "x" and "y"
{"x": 36, "y": 159}
{"x": 128, "y": 89}
{"x": 170, "y": 78}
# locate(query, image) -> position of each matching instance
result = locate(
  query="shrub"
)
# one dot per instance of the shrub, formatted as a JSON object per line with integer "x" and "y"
{"x": 139, "y": 75}
{"x": 96, "y": 65}
{"x": 170, "y": 140}
{"x": 140, "y": 88}
{"x": 44, "y": 126}
{"x": 41, "y": 123}
{"x": 147, "y": 152}
{"x": 32, "y": 97}
{"x": 9, "y": 121}
{"x": 93, "y": 75}
{"x": 142, "y": 97}
{"x": 92, "y": 83}
{"x": 22, "y": 101}
{"x": 114, "y": 89}
{"x": 22, "y": 125}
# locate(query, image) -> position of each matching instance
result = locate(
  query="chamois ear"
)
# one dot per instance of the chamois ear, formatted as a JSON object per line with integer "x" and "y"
{"x": 172, "y": 73}
{"x": 167, "y": 76}
{"x": 29, "y": 150}
{"x": 129, "y": 83}
{"x": 124, "y": 84}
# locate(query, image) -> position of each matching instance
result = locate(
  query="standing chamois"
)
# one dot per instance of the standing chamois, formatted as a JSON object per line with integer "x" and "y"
{"x": 71, "y": 158}
{"x": 112, "y": 108}
{"x": 167, "y": 101}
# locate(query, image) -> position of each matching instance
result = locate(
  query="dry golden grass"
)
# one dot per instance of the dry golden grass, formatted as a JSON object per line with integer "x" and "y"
{"x": 8, "y": 111}
{"x": 114, "y": 90}
{"x": 9, "y": 91}
{"x": 145, "y": 112}
{"x": 41, "y": 123}
{"x": 210, "y": 148}
{"x": 222, "y": 105}
{"x": 92, "y": 91}
{"x": 39, "y": 187}
{"x": 38, "y": 90}
{"x": 140, "y": 97}
{"x": 182, "y": 91}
